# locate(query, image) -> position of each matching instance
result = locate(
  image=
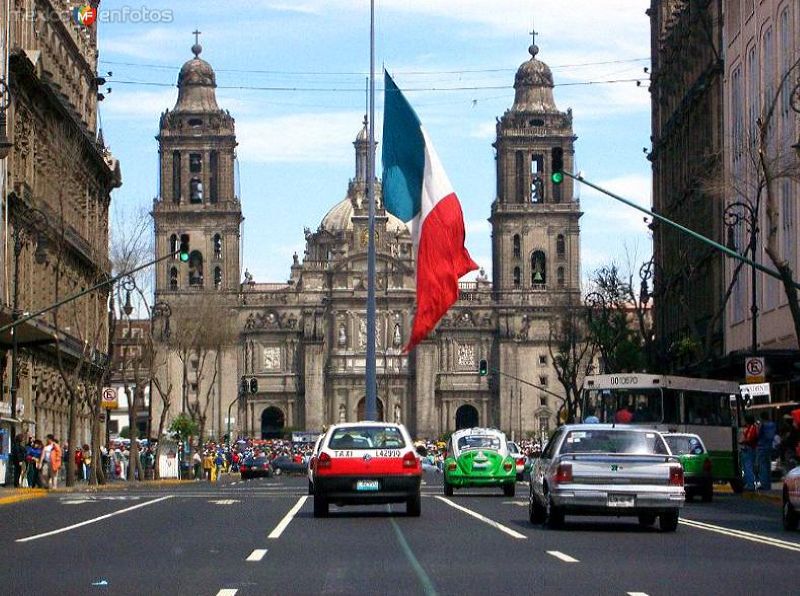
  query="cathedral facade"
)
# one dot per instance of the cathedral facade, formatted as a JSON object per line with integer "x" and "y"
{"x": 297, "y": 356}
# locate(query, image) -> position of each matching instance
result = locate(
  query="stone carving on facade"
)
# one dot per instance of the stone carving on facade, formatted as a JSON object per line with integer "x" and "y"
{"x": 342, "y": 413}
{"x": 524, "y": 328}
{"x": 397, "y": 413}
{"x": 342, "y": 335}
{"x": 397, "y": 338}
{"x": 270, "y": 320}
{"x": 466, "y": 356}
{"x": 362, "y": 334}
{"x": 465, "y": 319}
{"x": 271, "y": 357}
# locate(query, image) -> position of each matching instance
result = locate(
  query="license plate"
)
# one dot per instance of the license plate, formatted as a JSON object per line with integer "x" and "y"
{"x": 367, "y": 485}
{"x": 621, "y": 500}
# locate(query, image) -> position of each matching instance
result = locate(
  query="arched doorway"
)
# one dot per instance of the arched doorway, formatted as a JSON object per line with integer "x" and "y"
{"x": 362, "y": 408}
{"x": 466, "y": 417}
{"x": 272, "y": 423}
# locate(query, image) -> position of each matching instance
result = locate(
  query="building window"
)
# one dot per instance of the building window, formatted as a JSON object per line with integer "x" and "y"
{"x": 176, "y": 177}
{"x": 213, "y": 180}
{"x": 537, "y": 184}
{"x": 544, "y": 424}
{"x": 543, "y": 381}
{"x": 560, "y": 277}
{"x": 560, "y": 246}
{"x": 195, "y": 163}
{"x": 543, "y": 401}
{"x": 174, "y": 246}
{"x": 517, "y": 249}
{"x": 173, "y": 279}
{"x": 196, "y": 192}
{"x": 217, "y": 246}
{"x": 542, "y": 360}
{"x": 737, "y": 113}
{"x": 196, "y": 269}
{"x": 517, "y": 277}
{"x": 217, "y": 278}
{"x": 538, "y": 268}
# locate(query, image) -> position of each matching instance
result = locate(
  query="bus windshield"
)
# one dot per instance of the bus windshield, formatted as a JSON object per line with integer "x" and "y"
{"x": 640, "y": 405}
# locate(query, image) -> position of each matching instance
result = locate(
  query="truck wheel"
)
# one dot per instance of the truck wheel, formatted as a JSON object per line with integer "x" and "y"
{"x": 790, "y": 516}
{"x": 414, "y": 506}
{"x": 321, "y": 508}
{"x": 668, "y": 520}
{"x": 510, "y": 489}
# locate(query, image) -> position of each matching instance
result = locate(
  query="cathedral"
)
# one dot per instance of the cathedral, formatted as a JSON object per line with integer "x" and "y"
{"x": 297, "y": 356}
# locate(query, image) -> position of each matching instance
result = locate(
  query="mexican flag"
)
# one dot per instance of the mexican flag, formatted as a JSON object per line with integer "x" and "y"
{"x": 416, "y": 190}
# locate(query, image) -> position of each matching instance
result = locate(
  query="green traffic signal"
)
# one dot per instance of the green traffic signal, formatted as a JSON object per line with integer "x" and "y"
{"x": 184, "y": 249}
{"x": 557, "y": 177}
{"x": 557, "y": 165}
{"x": 483, "y": 368}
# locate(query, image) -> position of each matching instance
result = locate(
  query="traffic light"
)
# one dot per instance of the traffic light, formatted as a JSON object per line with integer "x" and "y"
{"x": 184, "y": 249}
{"x": 557, "y": 163}
{"x": 244, "y": 385}
{"x": 253, "y": 385}
{"x": 483, "y": 368}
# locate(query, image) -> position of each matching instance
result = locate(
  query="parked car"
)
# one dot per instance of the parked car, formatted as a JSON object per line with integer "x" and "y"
{"x": 367, "y": 463}
{"x": 283, "y": 464}
{"x": 523, "y": 465}
{"x": 479, "y": 457}
{"x": 791, "y": 499}
{"x": 253, "y": 467}
{"x": 696, "y": 462}
{"x": 310, "y": 467}
{"x": 605, "y": 469}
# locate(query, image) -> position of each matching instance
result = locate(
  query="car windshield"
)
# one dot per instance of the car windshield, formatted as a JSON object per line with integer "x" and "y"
{"x": 614, "y": 441}
{"x": 684, "y": 445}
{"x": 478, "y": 442}
{"x": 513, "y": 449}
{"x": 367, "y": 437}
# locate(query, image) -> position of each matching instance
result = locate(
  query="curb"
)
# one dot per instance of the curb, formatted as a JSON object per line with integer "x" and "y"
{"x": 35, "y": 493}
{"x": 763, "y": 497}
{"x": 120, "y": 485}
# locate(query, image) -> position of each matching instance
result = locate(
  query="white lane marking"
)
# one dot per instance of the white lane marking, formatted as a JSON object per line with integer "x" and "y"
{"x": 517, "y": 503}
{"x": 276, "y": 533}
{"x": 224, "y": 501}
{"x": 227, "y": 592}
{"x": 637, "y": 593}
{"x": 491, "y": 522}
{"x": 77, "y": 502}
{"x": 760, "y": 538}
{"x": 257, "y": 554}
{"x": 562, "y": 556}
{"x": 93, "y": 520}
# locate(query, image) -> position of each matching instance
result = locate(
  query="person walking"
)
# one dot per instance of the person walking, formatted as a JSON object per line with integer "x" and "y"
{"x": 766, "y": 436}
{"x": 747, "y": 446}
{"x": 56, "y": 458}
{"x": 33, "y": 455}
{"x": 17, "y": 458}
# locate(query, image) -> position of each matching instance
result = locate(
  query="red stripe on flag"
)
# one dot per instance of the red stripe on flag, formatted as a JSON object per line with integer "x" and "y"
{"x": 441, "y": 260}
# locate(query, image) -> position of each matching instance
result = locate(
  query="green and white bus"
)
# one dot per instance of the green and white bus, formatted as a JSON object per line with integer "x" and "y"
{"x": 668, "y": 403}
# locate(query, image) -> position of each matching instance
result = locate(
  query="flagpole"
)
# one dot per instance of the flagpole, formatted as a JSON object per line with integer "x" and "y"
{"x": 372, "y": 398}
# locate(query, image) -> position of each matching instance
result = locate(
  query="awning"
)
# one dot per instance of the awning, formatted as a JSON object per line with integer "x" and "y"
{"x": 30, "y": 333}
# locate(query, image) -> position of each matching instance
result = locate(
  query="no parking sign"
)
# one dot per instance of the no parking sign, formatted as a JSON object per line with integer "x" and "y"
{"x": 754, "y": 370}
{"x": 110, "y": 398}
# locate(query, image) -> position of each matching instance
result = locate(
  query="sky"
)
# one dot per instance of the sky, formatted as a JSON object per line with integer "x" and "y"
{"x": 293, "y": 74}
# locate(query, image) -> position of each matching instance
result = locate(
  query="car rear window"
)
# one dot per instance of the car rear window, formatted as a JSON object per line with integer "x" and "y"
{"x": 367, "y": 437}
{"x": 478, "y": 442}
{"x": 614, "y": 441}
{"x": 684, "y": 445}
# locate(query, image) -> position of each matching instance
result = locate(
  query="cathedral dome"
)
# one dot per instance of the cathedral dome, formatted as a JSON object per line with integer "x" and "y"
{"x": 196, "y": 84}
{"x": 534, "y": 85}
{"x": 340, "y": 219}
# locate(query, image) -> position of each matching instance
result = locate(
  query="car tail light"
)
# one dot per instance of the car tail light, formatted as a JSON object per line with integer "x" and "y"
{"x": 323, "y": 461}
{"x": 676, "y": 476}
{"x": 409, "y": 460}
{"x": 707, "y": 467}
{"x": 521, "y": 461}
{"x": 451, "y": 466}
{"x": 563, "y": 473}
{"x": 507, "y": 466}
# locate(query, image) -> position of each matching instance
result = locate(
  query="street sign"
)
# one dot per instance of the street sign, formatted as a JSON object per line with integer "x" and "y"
{"x": 110, "y": 398}
{"x": 754, "y": 369}
{"x": 753, "y": 390}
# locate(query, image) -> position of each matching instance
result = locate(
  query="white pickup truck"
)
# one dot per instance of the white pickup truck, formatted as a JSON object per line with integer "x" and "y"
{"x": 606, "y": 469}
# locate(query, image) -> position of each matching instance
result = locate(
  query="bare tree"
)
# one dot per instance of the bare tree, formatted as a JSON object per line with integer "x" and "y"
{"x": 571, "y": 351}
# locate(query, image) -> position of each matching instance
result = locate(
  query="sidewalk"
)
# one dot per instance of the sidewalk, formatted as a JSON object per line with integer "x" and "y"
{"x": 9, "y": 496}
{"x": 773, "y": 495}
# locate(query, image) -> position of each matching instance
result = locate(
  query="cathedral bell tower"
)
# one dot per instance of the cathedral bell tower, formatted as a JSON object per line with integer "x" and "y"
{"x": 197, "y": 149}
{"x": 535, "y": 232}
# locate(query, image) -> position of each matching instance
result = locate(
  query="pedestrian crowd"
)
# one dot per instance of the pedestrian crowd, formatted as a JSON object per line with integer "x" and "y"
{"x": 36, "y": 463}
{"x": 762, "y": 442}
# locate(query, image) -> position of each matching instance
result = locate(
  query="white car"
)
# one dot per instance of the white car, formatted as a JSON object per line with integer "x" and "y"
{"x": 310, "y": 463}
{"x": 791, "y": 499}
{"x": 519, "y": 458}
{"x": 366, "y": 463}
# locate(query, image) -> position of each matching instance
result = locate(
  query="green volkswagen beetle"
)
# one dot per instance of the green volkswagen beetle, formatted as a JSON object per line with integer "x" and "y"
{"x": 479, "y": 457}
{"x": 696, "y": 463}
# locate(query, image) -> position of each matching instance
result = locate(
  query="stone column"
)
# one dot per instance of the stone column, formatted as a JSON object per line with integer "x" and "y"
{"x": 425, "y": 390}
{"x": 314, "y": 385}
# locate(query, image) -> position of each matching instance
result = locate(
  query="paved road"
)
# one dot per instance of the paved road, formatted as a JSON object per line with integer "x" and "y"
{"x": 259, "y": 537}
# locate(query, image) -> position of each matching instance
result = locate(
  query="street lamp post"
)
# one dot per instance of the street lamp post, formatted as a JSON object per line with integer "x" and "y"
{"x": 735, "y": 214}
